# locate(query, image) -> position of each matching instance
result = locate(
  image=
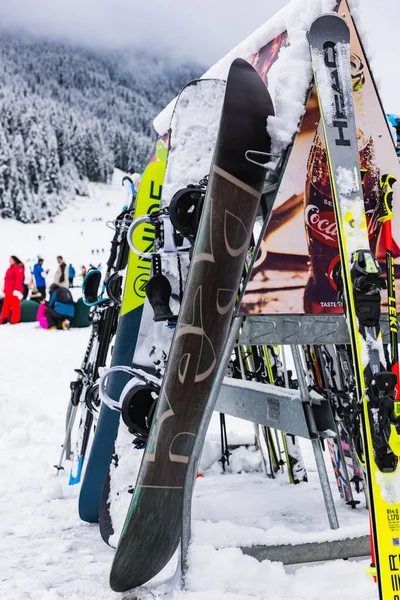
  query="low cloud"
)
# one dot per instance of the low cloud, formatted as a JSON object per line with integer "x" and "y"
{"x": 203, "y": 30}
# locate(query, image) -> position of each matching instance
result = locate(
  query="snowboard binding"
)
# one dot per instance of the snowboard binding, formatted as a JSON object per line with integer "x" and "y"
{"x": 76, "y": 388}
{"x": 384, "y": 422}
{"x": 185, "y": 209}
{"x": 90, "y": 288}
{"x": 92, "y": 295}
{"x": 158, "y": 292}
{"x": 166, "y": 242}
{"x": 92, "y": 399}
{"x": 137, "y": 409}
{"x": 175, "y": 232}
{"x": 137, "y": 401}
{"x": 114, "y": 288}
{"x": 367, "y": 284}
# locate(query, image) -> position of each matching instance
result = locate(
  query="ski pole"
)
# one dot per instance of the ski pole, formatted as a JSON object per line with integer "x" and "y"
{"x": 385, "y": 217}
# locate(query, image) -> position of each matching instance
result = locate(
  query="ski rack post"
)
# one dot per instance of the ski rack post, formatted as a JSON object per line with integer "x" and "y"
{"x": 308, "y": 417}
{"x": 315, "y": 441}
{"x": 292, "y": 411}
{"x": 278, "y": 329}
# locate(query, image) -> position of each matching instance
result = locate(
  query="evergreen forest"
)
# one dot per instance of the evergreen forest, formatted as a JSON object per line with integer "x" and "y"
{"x": 69, "y": 115}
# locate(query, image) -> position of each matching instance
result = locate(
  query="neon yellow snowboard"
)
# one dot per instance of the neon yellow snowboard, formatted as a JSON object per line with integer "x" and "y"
{"x": 138, "y": 270}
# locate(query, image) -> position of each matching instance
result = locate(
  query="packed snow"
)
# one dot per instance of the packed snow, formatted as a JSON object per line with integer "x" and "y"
{"x": 324, "y": 83}
{"x": 390, "y": 489}
{"x": 47, "y": 553}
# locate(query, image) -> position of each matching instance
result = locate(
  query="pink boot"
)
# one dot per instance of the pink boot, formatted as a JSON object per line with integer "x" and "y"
{"x": 41, "y": 316}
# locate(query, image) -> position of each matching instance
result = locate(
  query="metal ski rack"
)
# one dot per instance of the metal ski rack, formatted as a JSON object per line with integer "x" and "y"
{"x": 299, "y": 412}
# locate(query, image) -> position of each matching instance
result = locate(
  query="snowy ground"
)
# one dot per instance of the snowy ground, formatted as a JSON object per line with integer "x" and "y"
{"x": 47, "y": 553}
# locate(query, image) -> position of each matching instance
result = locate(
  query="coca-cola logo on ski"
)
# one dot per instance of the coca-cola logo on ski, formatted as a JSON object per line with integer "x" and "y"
{"x": 322, "y": 224}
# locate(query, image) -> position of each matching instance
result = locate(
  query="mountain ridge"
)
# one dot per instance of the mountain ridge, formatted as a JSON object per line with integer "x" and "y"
{"x": 70, "y": 114}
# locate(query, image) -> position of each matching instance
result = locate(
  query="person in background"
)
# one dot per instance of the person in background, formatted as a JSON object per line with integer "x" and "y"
{"x": 60, "y": 276}
{"x": 36, "y": 296}
{"x": 13, "y": 292}
{"x": 38, "y": 274}
{"x": 71, "y": 275}
{"x": 84, "y": 271}
{"x": 60, "y": 308}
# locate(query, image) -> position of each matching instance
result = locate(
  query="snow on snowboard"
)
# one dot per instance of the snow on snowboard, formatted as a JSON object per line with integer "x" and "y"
{"x": 152, "y": 528}
{"x": 191, "y": 144}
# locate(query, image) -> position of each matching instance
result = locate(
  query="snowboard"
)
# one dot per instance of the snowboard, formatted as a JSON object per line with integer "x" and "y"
{"x": 151, "y": 531}
{"x": 191, "y": 144}
{"x": 138, "y": 269}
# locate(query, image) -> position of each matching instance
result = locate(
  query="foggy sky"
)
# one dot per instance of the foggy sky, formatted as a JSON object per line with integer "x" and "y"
{"x": 193, "y": 29}
{"x": 200, "y": 29}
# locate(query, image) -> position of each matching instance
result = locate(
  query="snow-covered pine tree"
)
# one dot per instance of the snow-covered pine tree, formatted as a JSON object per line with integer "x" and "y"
{"x": 71, "y": 115}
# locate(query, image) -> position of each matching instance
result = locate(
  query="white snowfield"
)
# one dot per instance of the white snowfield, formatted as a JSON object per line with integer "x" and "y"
{"x": 47, "y": 553}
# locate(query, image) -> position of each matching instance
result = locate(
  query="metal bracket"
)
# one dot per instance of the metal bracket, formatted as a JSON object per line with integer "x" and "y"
{"x": 300, "y": 329}
{"x": 275, "y": 407}
{"x": 269, "y": 166}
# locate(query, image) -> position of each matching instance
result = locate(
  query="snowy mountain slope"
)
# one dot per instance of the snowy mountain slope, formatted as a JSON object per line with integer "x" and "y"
{"x": 77, "y": 231}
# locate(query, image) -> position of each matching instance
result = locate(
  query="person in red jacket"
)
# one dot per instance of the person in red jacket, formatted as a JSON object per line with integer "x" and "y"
{"x": 13, "y": 292}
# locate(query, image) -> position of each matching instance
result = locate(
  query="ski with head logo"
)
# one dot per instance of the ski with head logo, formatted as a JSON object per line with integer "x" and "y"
{"x": 360, "y": 283}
